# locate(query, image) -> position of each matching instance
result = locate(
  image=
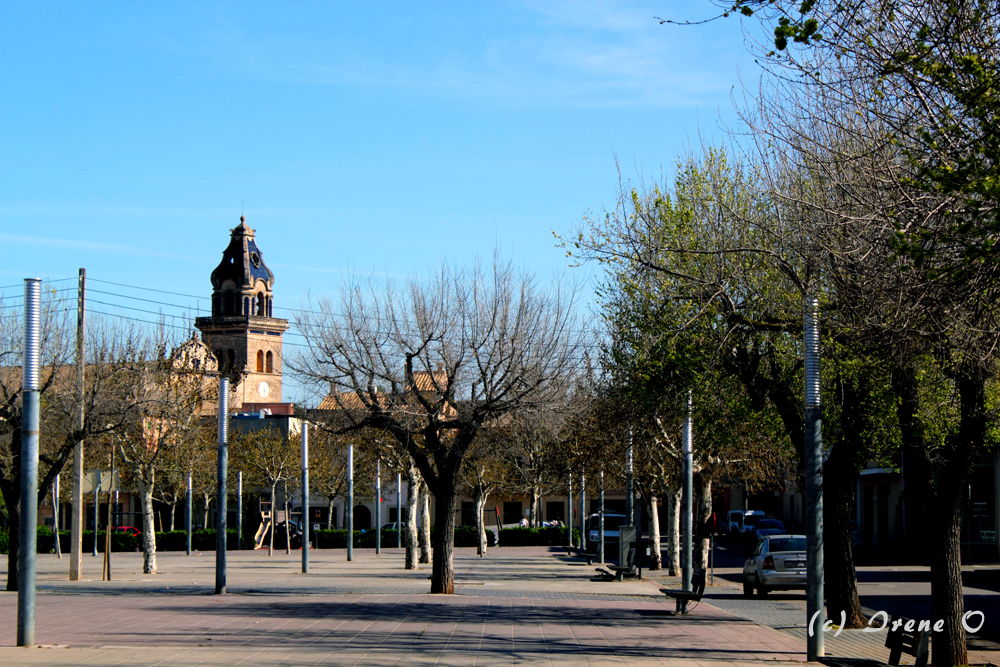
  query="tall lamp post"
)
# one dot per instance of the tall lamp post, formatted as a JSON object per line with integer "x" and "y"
{"x": 350, "y": 502}
{"x": 222, "y": 502}
{"x": 305, "y": 498}
{"x": 28, "y": 530}
{"x": 814, "y": 484}
{"x": 687, "y": 497}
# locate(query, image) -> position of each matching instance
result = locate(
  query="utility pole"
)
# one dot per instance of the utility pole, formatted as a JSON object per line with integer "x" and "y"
{"x": 76, "y": 499}
{"x": 239, "y": 511}
{"x": 221, "y": 503}
{"x": 399, "y": 510}
{"x": 305, "y": 498}
{"x": 583, "y": 511}
{"x": 187, "y": 514}
{"x": 350, "y": 502}
{"x": 629, "y": 479}
{"x": 815, "y": 616}
{"x": 687, "y": 498}
{"x": 378, "y": 506}
{"x": 288, "y": 518}
{"x": 28, "y": 529}
{"x": 569, "y": 508}
{"x": 600, "y": 523}
{"x": 55, "y": 515}
{"x": 97, "y": 508}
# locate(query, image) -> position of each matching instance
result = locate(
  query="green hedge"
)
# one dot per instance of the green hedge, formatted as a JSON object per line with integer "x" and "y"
{"x": 175, "y": 540}
{"x": 535, "y": 537}
{"x": 465, "y": 536}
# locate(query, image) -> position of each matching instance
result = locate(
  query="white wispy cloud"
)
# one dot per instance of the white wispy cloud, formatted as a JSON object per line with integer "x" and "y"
{"x": 577, "y": 53}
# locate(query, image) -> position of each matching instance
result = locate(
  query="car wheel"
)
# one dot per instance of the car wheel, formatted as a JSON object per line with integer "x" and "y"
{"x": 762, "y": 591}
{"x": 747, "y": 588}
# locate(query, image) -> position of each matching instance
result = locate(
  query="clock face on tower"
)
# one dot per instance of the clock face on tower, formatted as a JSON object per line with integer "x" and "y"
{"x": 263, "y": 390}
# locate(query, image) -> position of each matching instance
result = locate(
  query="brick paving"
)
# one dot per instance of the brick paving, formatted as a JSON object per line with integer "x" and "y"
{"x": 515, "y": 607}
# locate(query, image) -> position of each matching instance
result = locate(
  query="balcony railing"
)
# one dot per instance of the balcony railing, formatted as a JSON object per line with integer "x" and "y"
{"x": 226, "y": 320}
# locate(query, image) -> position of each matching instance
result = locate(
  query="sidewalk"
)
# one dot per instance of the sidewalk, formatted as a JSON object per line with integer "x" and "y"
{"x": 516, "y": 606}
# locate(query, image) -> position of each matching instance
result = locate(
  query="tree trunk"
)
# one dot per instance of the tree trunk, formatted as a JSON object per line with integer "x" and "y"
{"x": 918, "y": 473}
{"x": 941, "y": 491}
{"x": 481, "y": 498}
{"x": 204, "y": 520}
{"x": 329, "y": 513}
{"x": 412, "y": 505}
{"x": 946, "y": 520}
{"x": 703, "y": 522}
{"x": 946, "y": 577}
{"x": 148, "y": 534}
{"x": 841, "y": 582}
{"x": 443, "y": 539}
{"x": 673, "y": 498}
{"x": 536, "y": 521}
{"x": 425, "y": 523}
{"x": 173, "y": 515}
{"x": 840, "y": 478}
{"x": 655, "y": 556}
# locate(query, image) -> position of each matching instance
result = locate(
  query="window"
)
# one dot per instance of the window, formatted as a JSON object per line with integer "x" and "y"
{"x": 246, "y": 306}
{"x": 230, "y": 360}
{"x": 269, "y": 308}
{"x": 270, "y": 362}
{"x": 260, "y": 361}
{"x": 260, "y": 304}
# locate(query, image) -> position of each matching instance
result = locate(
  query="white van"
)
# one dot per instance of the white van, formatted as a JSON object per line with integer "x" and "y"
{"x": 611, "y": 524}
{"x": 737, "y": 523}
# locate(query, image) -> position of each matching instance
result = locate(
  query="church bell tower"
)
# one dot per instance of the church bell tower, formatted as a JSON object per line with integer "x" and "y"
{"x": 242, "y": 333}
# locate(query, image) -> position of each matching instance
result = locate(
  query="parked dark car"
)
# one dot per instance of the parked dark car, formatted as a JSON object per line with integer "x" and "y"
{"x": 767, "y": 527}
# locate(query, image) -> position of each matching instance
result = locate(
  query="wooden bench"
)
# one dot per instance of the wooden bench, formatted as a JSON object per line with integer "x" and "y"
{"x": 683, "y": 597}
{"x": 912, "y": 642}
{"x": 619, "y": 572}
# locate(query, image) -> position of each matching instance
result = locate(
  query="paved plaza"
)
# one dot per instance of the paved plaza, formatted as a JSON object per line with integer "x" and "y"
{"x": 520, "y": 606}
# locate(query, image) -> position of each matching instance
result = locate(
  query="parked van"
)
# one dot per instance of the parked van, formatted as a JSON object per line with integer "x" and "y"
{"x": 737, "y": 523}
{"x": 611, "y": 524}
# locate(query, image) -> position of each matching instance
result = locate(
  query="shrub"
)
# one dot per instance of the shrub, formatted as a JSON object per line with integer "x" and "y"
{"x": 535, "y": 537}
{"x": 465, "y": 536}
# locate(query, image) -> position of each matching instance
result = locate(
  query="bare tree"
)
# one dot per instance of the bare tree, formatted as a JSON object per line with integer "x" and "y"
{"x": 166, "y": 395}
{"x": 432, "y": 363}
{"x": 60, "y": 401}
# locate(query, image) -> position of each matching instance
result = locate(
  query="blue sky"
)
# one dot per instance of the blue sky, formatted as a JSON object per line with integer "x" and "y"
{"x": 359, "y": 137}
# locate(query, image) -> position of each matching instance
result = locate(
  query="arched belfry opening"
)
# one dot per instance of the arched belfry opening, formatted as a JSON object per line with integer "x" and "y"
{"x": 242, "y": 327}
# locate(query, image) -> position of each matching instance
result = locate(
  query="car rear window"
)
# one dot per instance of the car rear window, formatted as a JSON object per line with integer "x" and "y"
{"x": 751, "y": 520}
{"x": 789, "y": 544}
{"x": 770, "y": 523}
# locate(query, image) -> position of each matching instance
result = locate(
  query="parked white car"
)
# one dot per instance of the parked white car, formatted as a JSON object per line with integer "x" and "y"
{"x": 778, "y": 563}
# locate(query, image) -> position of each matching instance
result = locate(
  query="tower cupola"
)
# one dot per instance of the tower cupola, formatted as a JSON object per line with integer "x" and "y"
{"x": 242, "y": 283}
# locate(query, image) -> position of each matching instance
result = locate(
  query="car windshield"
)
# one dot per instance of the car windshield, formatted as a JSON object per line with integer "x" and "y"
{"x": 789, "y": 544}
{"x": 770, "y": 523}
